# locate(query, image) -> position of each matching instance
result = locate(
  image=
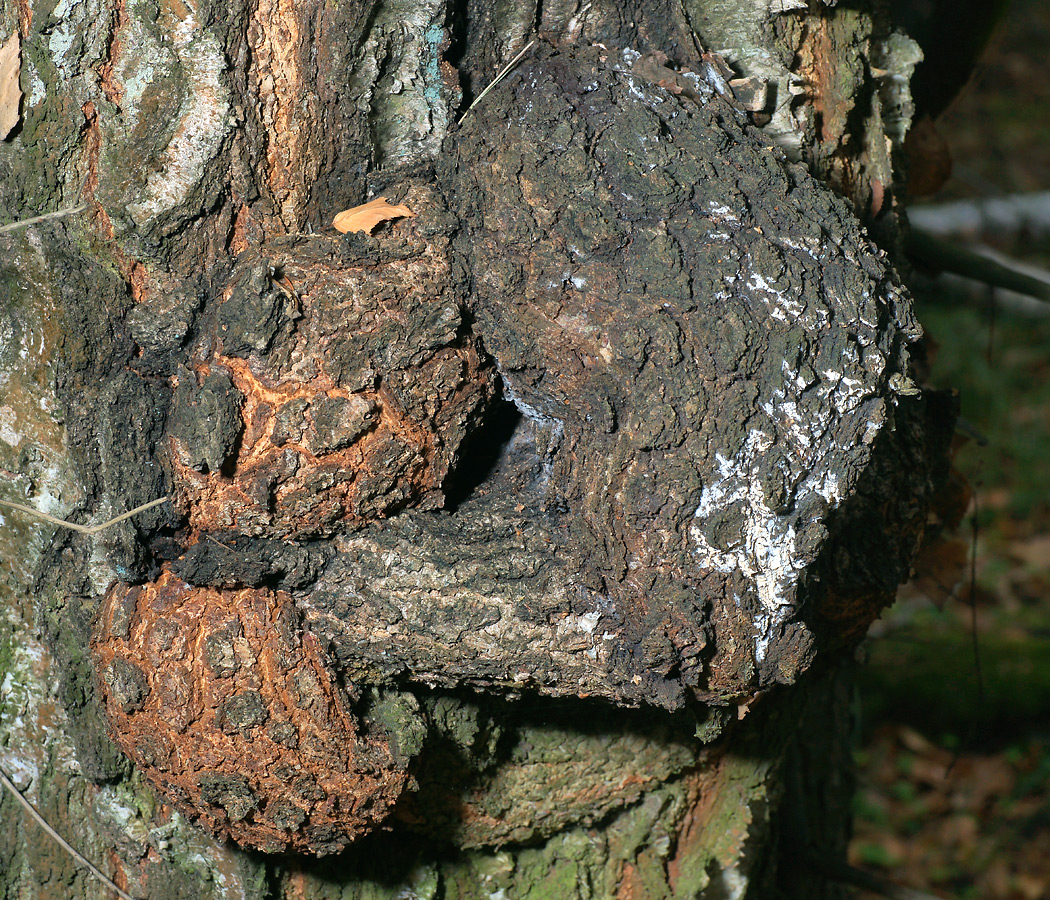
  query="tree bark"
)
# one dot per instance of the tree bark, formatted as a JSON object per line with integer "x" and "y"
{"x": 512, "y": 550}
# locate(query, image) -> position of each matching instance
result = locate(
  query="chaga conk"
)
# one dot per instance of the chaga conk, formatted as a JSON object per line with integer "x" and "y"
{"x": 622, "y": 412}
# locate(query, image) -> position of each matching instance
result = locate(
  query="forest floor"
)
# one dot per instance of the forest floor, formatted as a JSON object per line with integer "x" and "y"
{"x": 954, "y": 752}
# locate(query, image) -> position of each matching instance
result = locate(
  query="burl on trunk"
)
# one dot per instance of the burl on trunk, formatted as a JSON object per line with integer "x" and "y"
{"x": 624, "y": 411}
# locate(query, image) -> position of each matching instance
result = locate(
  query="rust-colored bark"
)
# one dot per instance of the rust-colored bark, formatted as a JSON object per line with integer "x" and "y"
{"x": 223, "y": 698}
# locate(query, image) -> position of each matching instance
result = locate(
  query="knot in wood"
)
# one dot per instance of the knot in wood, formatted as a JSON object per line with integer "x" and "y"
{"x": 699, "y": 353}
{"x": 332, "y": 385}
{"x": 707, "y": 339}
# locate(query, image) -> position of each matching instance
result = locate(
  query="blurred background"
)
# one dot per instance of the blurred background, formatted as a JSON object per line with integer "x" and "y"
{"x": 954, "y": 702}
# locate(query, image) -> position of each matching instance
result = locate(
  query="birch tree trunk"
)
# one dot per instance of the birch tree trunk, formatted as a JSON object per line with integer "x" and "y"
{"x": 514, "y": 544}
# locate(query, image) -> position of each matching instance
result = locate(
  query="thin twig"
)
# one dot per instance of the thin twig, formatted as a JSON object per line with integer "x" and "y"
{"x": 61, "y": 841}
{"x": 502, "y": 74}
{"x": 57, "y": 214}
{"x": 83, "y": 529}
{"x": 950, "y": 256}
{"x": 220, "y": 543}
{"x": 975, "y": 526}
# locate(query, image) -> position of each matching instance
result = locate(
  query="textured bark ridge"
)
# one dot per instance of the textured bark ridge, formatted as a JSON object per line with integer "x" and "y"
{"x": 679, "y": 355}
{"x": 709, "y": 335}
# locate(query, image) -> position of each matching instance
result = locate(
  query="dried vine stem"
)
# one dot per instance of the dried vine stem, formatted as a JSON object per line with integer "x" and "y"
{"x": 61, "y": 841}
{"x": 83, "y": 529}
{"x": 57, "y": 214}
{"x": 502, "y": 74}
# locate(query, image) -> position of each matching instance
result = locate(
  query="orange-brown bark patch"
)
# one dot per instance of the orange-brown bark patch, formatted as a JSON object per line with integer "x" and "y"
{"x": 815, "y": 65}
{"x": 702, "y": 787}
{"x": 25, "y": 18}
{"x": 296, "y": 481}
{"x": 111, "y": 87}
{"x": 229, "y": 708}
{"x": 278, "y": 82}
{"x": 352, "y": 400}
{"x": 630, "y": 886}
{"x": 137, "y": 277}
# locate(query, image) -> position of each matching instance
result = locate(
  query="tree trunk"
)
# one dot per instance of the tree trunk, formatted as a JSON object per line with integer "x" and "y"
{"x": 513, "y": 545}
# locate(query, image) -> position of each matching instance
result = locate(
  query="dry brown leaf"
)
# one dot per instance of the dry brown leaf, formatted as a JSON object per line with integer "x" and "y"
{"x": 10, "y": 92}
{"x": 366, "y": 216}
